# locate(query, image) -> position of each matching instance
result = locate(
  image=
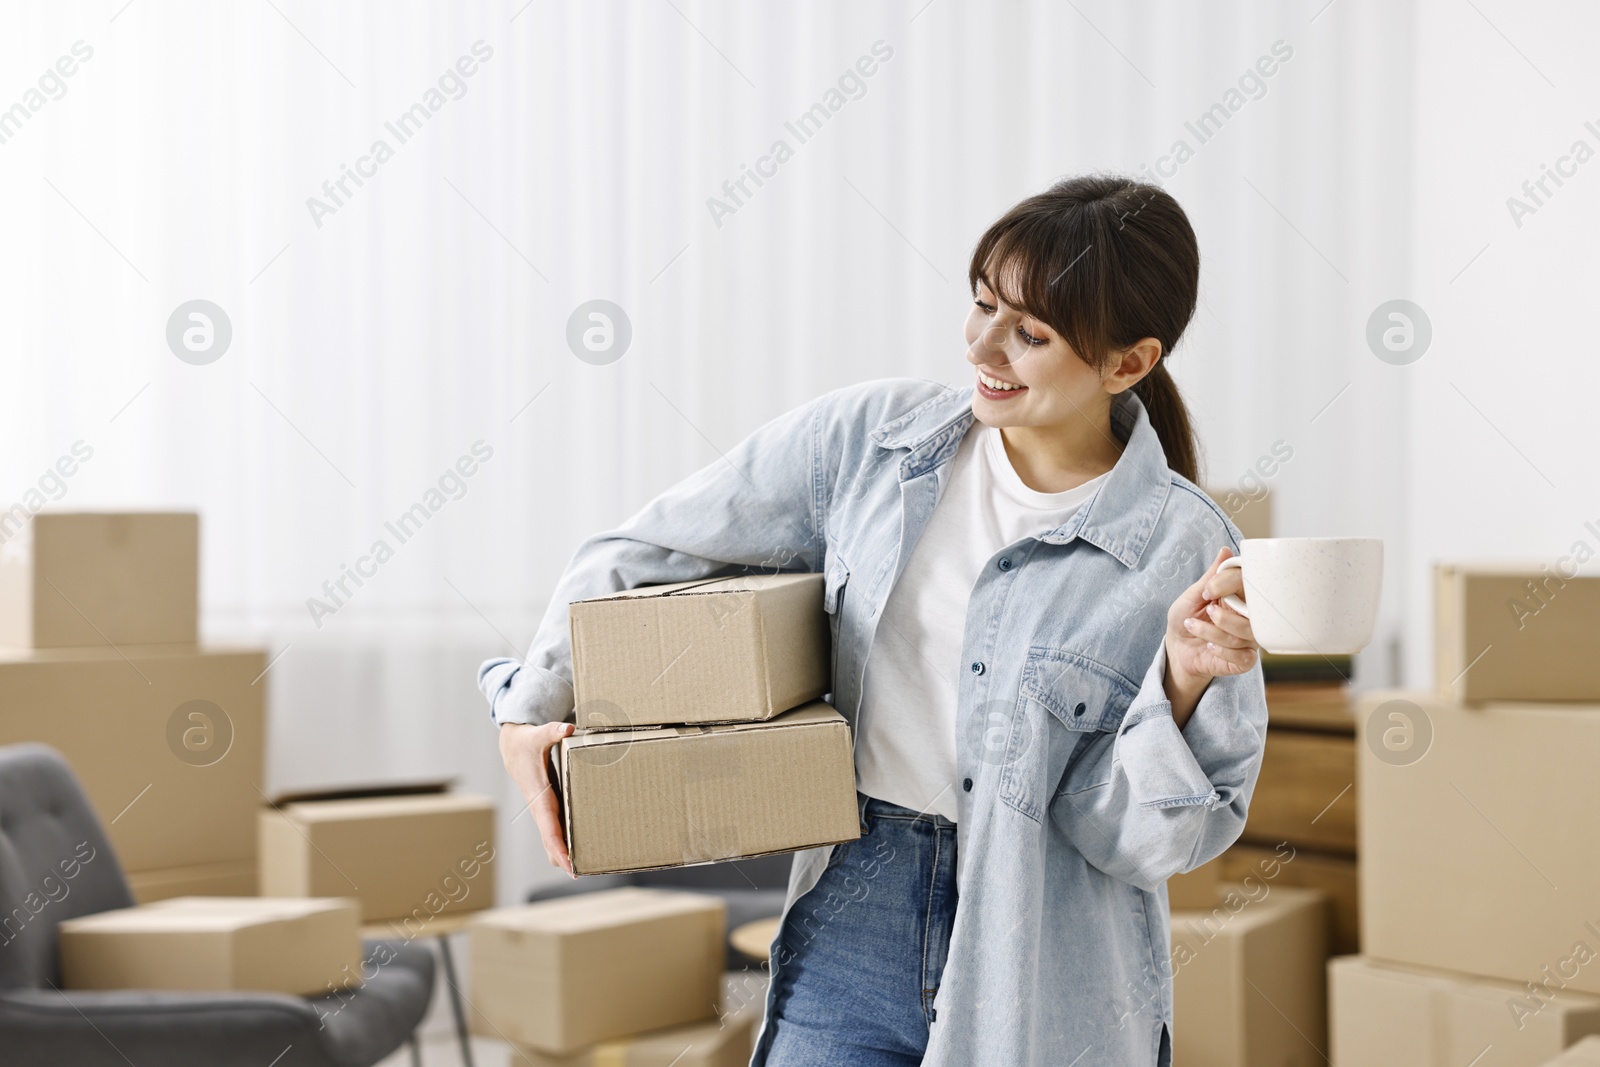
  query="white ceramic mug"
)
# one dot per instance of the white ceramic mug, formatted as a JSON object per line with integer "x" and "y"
{"x": 1309, "y": 595}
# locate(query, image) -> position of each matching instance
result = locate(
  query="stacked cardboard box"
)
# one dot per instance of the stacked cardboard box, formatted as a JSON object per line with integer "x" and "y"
{"x": 1248, "y": 984}
{"x": 407, "y": 853}
{"x": 1585, "y": 1053}
{"x": 700, "y": 733}
{"x": 1476, "y": 825}
{"x": 98, "y": 616}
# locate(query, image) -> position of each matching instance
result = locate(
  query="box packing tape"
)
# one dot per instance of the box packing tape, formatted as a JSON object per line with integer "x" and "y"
{"x": 710, "y": 756}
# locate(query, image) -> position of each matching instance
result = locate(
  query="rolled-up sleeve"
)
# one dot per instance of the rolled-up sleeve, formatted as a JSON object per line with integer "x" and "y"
{"x": 1173, "y": 799}
{"x": 758, "y": 508}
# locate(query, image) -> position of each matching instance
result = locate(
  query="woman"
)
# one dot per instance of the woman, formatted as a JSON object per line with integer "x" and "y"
{"x": 1058, "y": 714}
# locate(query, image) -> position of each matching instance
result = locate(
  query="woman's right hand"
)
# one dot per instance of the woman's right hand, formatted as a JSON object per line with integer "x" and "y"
{"x": 525, "y": 750}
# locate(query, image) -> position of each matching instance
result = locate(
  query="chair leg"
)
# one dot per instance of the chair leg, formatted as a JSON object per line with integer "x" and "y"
{"x": 416, "y": 1050}
{"x": 455, "y": 1001}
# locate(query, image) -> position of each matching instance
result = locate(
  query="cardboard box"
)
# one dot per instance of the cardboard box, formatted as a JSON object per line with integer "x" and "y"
{"x": 401, "y": 854}
{"x": 1305, "y": 793}
{"x": 301, "y": 947}
{"x": 1389, "y": 1015}
{"x": 234, "y": 878}
{"x": 1337, "y": 877}
{"x": 568, "y": 973}
{"x": 726, "y": 1042}
{"x": 1324, "y": 706}
{"x": 1249, "y": 988}
{"x": 168, "y": 742}
{"x": 674, "y": 795}
{"x": 1479, "y": 856}
{"x": 714, "y": 650}
{"x": 1507, "y": 631}
{"x": 98, "y": 580}
{"x": 1585, "y": 1053}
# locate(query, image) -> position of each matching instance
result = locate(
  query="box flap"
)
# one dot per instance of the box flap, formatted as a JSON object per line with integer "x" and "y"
{"x": 817, "y": 711}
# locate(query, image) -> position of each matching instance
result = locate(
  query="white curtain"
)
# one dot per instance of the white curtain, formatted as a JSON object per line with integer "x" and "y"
{"x": 379, "y": 338}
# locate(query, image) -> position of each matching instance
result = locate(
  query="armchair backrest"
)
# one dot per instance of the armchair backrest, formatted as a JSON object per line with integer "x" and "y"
{"x": 55, "y": 863}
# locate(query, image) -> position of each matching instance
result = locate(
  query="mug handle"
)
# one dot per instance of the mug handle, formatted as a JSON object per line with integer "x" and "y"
{"x": 1232, "y": 601}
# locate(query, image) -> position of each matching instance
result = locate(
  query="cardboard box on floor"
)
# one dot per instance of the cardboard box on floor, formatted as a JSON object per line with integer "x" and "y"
{"x": 1391, "y": 1015}
{"x": 1196, "y": 888}
{"x": 713, "y": 650}
{"x": 405, "y": 852}
{"x": 1477, "y": 856}
{"x": 1510, "y": 631}
{"x": 168, "y": 743}
{"x": 99, "y": 579}
{"x": 727, "y": 1041}
{"x": 564, "y": 974}
{"x": 1585, "y": 1053}
{"x": 300, "y": 947}
{"x": 1248, "y": 986}
{"x": 675, "y": 795}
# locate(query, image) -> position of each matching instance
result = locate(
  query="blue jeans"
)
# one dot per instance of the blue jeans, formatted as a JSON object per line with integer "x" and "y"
{"x": 860, "y": 955}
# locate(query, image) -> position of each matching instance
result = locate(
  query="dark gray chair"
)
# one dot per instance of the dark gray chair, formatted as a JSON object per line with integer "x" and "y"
{"x": 45, "y": 820}
{"x": 753, "y": 889}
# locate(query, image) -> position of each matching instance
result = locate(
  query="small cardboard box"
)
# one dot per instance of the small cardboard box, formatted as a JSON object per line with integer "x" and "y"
{"x": 568, "y": 973}
{"x": 92, "y": 579}
{"x": 1508, "y": 631}
{"x": 1477, "y": 829}
{"x": 726, "y": 1042}
{"x": 405, "y": 852}
{"x": 1390, "y": 1015}
{"x": 1585, "y": 1053}
{"x": 674, "y": 795}
{"x": 168, "y": 742}
{"x": 300, "y": 947}
{"x": 1249, "y": 988}
{"x": 714, "y": 650}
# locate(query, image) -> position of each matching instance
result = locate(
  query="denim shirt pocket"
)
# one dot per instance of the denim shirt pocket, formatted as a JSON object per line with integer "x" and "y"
{"x": 1066, "y": 702}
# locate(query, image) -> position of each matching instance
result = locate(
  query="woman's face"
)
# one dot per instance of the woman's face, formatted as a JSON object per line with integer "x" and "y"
{"x": 1015, "y": 349}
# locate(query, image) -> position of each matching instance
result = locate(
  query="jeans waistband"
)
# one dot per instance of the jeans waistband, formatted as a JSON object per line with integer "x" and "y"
{"x": 882, "y": 809}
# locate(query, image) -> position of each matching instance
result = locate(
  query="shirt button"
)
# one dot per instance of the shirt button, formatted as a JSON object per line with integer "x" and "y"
{"x": 1005, "y": 563}
{"x": 966, "y": 783}
{"x": 1079, "y": 710}
{"x": 977, "y": 666}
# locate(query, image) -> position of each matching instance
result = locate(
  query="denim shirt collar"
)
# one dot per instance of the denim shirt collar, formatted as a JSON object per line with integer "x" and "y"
{"x": 1118, "y": 519}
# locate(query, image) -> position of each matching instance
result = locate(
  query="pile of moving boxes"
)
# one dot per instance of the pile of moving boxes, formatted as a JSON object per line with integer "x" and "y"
{"x": 700, "y": 738}
{"x": 235, "y": 890}
{"x": 1418, "y": 883}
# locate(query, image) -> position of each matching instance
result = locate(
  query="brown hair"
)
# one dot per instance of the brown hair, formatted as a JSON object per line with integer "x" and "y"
{"x": 1105, "y": 261}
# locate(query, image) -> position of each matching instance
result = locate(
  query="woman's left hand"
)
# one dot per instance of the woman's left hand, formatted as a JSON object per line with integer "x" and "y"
{"x": 1206, "y": 638}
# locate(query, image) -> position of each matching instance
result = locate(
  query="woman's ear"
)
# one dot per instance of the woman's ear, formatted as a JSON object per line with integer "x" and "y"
{"x": 1135, "y": 361}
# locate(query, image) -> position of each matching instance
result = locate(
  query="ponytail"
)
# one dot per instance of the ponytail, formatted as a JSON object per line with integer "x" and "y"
{"x": 1169, "y": 416}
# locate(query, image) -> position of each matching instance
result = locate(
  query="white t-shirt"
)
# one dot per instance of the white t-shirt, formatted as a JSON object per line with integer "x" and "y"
{"x": 906, "y": 744}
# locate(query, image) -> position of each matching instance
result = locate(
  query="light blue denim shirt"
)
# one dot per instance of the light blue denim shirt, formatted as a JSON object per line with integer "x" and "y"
{"x": 1079, "y": 795}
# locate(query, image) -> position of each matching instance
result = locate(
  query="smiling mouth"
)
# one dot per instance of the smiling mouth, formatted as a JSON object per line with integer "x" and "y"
{"x": 999, "y": 385}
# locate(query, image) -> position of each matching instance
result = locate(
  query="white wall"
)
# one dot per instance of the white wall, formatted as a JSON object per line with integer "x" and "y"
{"x": 372, "y": 351}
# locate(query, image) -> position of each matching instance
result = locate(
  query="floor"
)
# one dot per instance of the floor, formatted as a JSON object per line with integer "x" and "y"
{"x": 437, "y": 1035}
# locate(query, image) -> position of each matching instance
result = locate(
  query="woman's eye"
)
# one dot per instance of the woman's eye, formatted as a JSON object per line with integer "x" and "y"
{"x": 988, "y": 309}
{"x": 1028, "y": 337}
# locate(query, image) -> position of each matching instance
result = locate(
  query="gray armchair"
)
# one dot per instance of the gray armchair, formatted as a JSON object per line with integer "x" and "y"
{"x": 45, "y": 821}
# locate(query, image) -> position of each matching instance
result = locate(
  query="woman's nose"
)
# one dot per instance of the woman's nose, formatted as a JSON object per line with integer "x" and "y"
{"x": 991, "y": 343}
